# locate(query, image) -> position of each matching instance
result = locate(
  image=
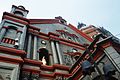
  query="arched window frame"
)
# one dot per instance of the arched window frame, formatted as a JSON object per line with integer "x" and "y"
{"x": 11, "y": 28}
{"x": 44, "y": 55}
{"x": 19, "y": 13}
{"x": 7, "y": 36}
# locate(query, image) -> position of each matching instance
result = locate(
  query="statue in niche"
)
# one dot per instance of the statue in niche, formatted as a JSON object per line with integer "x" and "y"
{"x": 44, "y": 56}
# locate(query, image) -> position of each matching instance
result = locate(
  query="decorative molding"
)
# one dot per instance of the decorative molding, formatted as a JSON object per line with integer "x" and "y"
{"x": 32, "y": 62}
{"x": 53, "y": 75}
{"x": 46, "y": 67}
{"x": 54, "y": 36}
{"x": 14, "y": 16}
{"x": 20, "y": 8}
{"x": 71, "y": 45}
{"x": 31, "y": 70}
{"x": 49, "y": 68}
{"x": 11, "y": 60}
{"x": 80, "y": 32}
{"x": 15, "y": 19}
{"x": 12, "y": 51}
{"x": 71, "y": 42}
{"x": 61, "y": 67}
{"x": 62, "y": 31}
{"x": 43, "y": 21}
{"x": 73, "y": 53}
{"x": 34, "y": 28}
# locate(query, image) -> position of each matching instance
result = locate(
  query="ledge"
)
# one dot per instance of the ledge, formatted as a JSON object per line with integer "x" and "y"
{"x": 33, "y": 62}
{"x": 12, "y": 51}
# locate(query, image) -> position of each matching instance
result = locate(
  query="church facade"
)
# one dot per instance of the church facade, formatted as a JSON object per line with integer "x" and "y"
{"x": 47, "y": 49}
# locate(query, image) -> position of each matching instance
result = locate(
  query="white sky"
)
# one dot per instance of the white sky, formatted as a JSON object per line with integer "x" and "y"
{"x": 104, "y": 13}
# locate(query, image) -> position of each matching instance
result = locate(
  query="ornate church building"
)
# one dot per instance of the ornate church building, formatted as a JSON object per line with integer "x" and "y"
{"x": 51, "y": 49}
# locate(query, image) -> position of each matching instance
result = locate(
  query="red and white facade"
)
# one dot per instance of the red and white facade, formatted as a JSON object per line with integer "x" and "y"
{"x": 43, "y": 49}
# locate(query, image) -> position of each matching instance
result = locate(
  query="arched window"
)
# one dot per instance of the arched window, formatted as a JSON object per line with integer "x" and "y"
{"x": 10, "y": 35}
{"x": 11, "y": 32}
{"x": 44, "y": 56}
{"x": 18, "y": 13}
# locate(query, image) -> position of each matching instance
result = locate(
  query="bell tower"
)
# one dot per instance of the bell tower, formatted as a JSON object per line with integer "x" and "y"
{"x": 19, "y": 11}
{"x": 13, "y": 27}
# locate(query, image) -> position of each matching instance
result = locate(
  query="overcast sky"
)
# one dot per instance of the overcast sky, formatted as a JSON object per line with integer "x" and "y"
{"x": 104, "y": 13}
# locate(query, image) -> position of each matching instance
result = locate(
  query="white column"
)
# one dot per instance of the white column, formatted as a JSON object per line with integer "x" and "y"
{"x": 18, "y": 35}
{"x": 22, "y": 38}
{"x": 51, "y": 59}
{"x": 35, "y": 48}
{"x": 59, "y": 53}
{"x": 17, "y": 39}
{"x": 29, "y": 46}
{"x": 2, "y": 23}
{"x": 2, "y": 33}
{"x": 55, "y": 59}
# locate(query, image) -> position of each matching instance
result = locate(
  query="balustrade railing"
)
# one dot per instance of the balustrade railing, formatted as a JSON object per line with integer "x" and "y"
{"x": 8, "y": 41}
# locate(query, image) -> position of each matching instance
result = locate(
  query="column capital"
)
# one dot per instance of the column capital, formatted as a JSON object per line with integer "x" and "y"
{"x": 54, "y": 40}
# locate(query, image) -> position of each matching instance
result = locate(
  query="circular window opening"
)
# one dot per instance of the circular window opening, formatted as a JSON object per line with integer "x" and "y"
{"x": 43, "y": 42}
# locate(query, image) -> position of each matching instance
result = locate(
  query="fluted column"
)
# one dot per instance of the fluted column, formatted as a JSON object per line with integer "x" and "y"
{"x": 22, "y": 38}
{"x": 55, "y": 59}
{"x": 35, "y": 48}
{"x": 2, "y": 32}
{"x": 29, "y": 45}
{"x": 59, "y": 53}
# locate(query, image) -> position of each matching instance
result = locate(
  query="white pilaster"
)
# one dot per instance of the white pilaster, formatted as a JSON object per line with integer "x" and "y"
{"x": 59, "y": 53}
{"x": 22, "y": 38}
{"x": 35, "y": 48}
{"x": 55, "y": 59}
{"x": 29, "y": 46}
{"x": 51, "y": 59}
{"x": 2, "y": 33}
